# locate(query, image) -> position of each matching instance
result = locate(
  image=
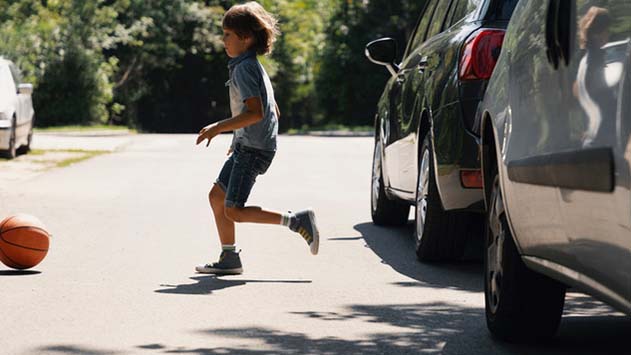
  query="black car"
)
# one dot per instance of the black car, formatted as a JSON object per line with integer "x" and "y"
{"x": 425, "y": 152}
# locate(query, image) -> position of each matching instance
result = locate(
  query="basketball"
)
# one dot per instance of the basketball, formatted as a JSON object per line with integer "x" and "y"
{"x": 23, "y": 241}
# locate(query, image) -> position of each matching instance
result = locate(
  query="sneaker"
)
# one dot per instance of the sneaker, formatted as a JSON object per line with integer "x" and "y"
{"x": 229, "y": 264}
{"x": 305, "y": 224}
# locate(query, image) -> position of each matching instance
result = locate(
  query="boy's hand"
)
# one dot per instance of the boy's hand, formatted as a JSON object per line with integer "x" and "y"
{"x": 209, "y": 132}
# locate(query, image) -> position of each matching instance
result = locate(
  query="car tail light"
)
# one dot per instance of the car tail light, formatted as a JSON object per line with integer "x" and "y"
{"x": 471, "y": 179}
{"x": 480, "y": 54}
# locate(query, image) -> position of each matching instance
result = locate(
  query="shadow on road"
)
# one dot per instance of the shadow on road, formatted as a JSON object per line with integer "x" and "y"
{"x": 19, "y": 272}
{"x": 430, "y": 327}
{"x": 207, "y": 284}
{"x": 395, "y": 247}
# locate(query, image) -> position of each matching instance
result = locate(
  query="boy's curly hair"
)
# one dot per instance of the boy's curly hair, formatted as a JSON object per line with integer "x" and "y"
{"x": 251, "y": 19}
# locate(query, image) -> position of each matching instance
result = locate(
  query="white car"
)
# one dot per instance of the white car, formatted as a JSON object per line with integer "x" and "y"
{"x": 16, "y": 111}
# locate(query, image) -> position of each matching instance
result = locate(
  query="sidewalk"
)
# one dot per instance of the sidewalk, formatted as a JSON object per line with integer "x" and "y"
{"x": 82, "y": 140}
{"x": 54, "y": 149}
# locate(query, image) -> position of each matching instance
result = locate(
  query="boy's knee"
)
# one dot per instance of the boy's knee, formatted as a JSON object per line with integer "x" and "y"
{"x": 215, "y": 196}
{"x": 234, "y": 214}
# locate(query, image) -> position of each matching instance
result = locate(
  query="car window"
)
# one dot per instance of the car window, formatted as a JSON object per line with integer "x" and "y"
{"x": 7, "y": 87}
{"x": 464, "y": 8}
{"x": 15, "y": 73}
{"x": 421, "y": 29}
{"x": 438, "y": 18}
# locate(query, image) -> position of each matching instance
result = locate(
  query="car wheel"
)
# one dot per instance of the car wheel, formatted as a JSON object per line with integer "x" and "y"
{"x": 26, "y": 148}
{"x": 520, "y": 304}
{"x": 439, "y": 234}
{"x": 385, "y": 212}
{"x": 11, "y": 152}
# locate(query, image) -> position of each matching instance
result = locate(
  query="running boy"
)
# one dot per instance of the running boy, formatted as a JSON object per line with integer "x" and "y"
{"x": 248, "y": 30}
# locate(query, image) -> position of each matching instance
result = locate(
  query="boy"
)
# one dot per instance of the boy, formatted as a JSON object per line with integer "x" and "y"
{"x": 248, "y": 30}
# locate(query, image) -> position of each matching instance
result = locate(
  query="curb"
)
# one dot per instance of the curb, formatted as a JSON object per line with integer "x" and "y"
{"x": 98, "y": 133}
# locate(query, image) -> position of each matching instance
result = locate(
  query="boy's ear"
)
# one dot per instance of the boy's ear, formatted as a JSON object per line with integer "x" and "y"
{"x": 249, "y": 40}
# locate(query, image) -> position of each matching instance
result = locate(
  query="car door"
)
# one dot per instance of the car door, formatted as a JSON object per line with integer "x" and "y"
{"x": 401, "y": 88}
{"x": 420, "y": 64}
{"x": 9, "y": 91}
{"x": 22, "y": 111}
{"x": 535, "y": 97}
{"x": 596, "y": 214}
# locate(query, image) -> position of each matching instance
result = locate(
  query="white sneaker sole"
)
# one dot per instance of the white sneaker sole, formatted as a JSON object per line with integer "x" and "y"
{"x": 315, "y": 244}
{"x": 205, "y": 270}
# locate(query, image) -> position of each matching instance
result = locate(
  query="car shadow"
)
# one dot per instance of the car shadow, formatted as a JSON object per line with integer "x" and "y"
{"x": 396, "y": 248}
{"x": 207, "y": 284}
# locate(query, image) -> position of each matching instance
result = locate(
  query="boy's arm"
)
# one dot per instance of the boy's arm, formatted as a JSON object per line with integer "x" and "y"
{"x": 252, "y": 115}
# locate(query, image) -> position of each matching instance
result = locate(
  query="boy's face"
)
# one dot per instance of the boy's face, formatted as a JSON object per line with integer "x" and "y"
{"x": 234, "y": 44}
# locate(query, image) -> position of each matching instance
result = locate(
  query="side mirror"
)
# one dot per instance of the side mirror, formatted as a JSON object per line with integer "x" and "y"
{"x": 26, "y": 89}
{"x": 383, "y": 52}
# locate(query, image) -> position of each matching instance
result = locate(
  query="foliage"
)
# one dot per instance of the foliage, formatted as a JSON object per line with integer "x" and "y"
{"x": 348, "y": 85}
{"x": 160, "y": 66}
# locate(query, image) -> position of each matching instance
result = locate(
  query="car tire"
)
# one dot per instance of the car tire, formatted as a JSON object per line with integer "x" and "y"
{"x": 440, "y": 235}
{"x": 521, "y": 304}
{"x": 26, "y": 148}
{"x": 384, "y": 211}
{"x": 12, "y": 151}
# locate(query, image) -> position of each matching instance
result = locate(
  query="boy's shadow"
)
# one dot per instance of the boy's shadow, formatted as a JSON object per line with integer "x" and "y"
{"x": 206, "y": 284}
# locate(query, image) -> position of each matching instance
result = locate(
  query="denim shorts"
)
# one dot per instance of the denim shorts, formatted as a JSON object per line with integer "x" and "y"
{"x": 239, "y": 173}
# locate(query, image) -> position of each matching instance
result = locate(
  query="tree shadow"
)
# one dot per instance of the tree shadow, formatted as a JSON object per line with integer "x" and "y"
{"x": 438, "y": 327}
{"x": 396, "y": 248}
{"x": 581, "y": 305}
{"x": 207, "y": 284}
{"x": 19, "y": 272}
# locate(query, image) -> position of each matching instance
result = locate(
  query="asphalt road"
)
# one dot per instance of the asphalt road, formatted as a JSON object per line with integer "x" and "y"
{"x": 129, "y": 226}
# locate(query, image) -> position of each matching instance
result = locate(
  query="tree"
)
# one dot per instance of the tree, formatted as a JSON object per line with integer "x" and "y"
{"x": 348, "y": 85}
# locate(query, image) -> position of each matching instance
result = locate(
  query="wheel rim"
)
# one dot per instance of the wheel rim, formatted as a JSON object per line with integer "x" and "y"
{"x": 376, "y": 176}
{"x": 422, "y": 192}
{"x": 495, "y": 244}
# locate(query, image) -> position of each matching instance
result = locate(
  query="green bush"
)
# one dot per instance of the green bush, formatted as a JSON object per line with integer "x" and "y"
{"x": 69, "y": 92}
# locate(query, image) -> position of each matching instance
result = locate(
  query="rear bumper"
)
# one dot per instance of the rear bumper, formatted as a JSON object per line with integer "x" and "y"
{"x": 455, "y": 149}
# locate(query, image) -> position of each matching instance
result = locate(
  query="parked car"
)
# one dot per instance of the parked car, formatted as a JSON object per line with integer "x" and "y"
{"x": 555, "y": 136}
{"x": 16, "y": 111}
{"x": 425, "y": 153}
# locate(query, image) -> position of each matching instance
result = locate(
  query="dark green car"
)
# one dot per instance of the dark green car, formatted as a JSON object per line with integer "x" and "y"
{"x": 425, "y": 149}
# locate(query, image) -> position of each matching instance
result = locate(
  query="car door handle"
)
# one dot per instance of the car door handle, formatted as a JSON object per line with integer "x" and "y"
{"x": 422, "y": 65}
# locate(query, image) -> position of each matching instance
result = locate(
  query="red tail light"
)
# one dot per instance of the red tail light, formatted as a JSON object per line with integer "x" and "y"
{"x": 471, "y": 179}
{"x": 480, "y": 54}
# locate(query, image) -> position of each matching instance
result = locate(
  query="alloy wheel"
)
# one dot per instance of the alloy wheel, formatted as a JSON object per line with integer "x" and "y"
{"x": 376, "y": 176}
{"x": 422, "y": 193}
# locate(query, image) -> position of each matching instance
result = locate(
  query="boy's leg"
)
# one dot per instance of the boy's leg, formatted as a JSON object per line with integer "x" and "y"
{"x": 225, "y": 226}
{"x": 302, "y": 222}
{"x": 252, "y": 215}
{"x": 229, "y": 262}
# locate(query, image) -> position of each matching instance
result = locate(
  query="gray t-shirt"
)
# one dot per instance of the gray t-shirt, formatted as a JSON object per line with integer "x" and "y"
{"x": 248, "y": 79}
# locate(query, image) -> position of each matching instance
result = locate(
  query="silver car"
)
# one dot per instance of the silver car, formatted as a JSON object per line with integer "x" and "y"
{"x": 555, "y": 129}
{"x": 16, "y": 111}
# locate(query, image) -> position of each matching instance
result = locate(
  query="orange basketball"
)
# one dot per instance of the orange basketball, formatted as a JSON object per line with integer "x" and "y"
{"x": 23, "y": 241}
